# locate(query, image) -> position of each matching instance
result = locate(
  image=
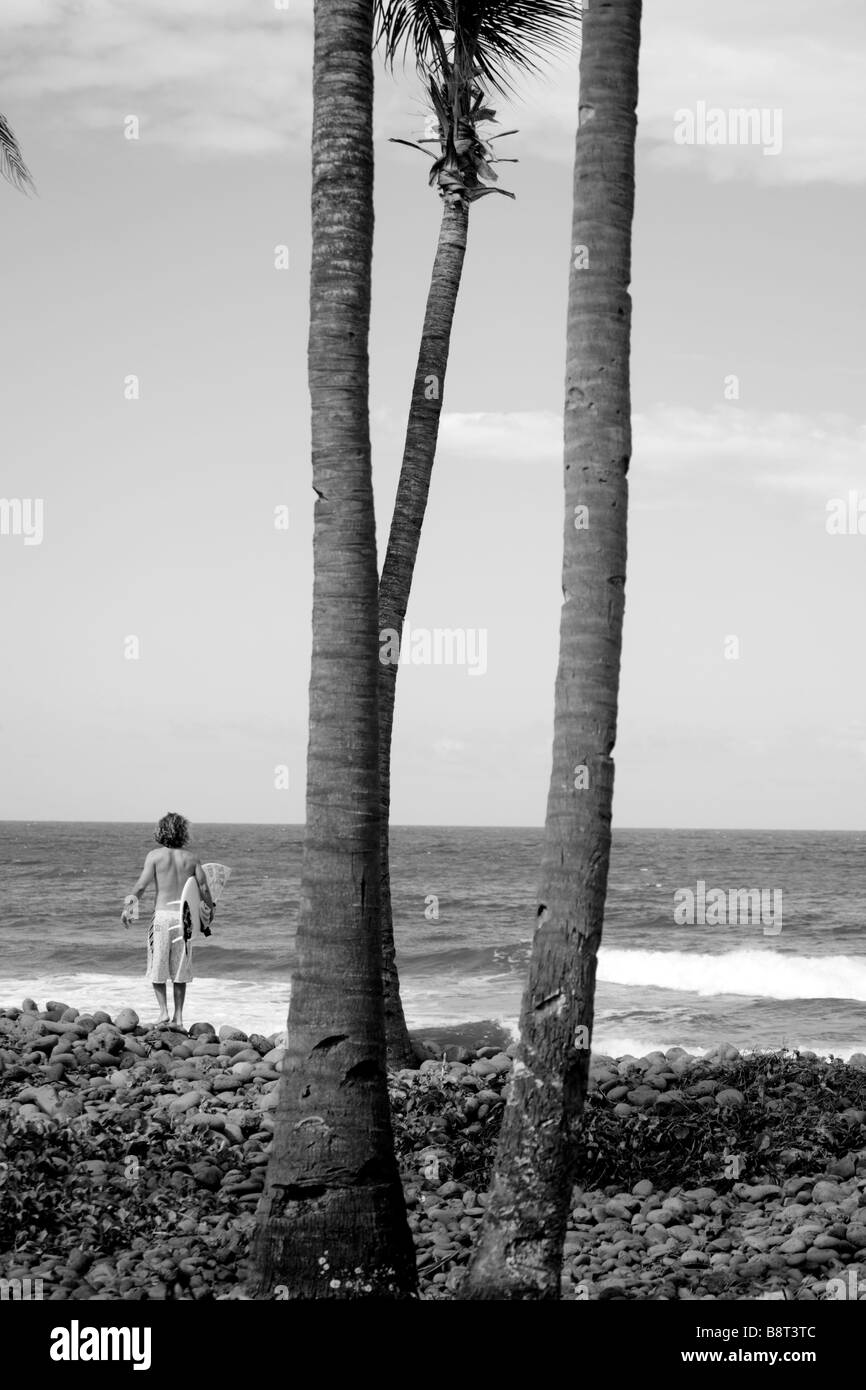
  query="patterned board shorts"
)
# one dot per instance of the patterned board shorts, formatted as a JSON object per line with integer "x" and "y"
{"x": 169, "y": 957}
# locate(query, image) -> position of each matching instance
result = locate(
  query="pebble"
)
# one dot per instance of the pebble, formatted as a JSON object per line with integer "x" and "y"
{"x": 690, "y": 1258}
{"x": 730, "y": 1098}
{"x": 826, "y": 1192}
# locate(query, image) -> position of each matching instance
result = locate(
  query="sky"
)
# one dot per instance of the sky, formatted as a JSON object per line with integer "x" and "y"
{"x": 157, "y": 637}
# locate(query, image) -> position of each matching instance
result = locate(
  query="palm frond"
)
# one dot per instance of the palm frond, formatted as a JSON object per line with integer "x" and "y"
{"x": 395, "y": 140}
{"x": 12, "y": 166}
{"x": 490, "y": 39}
{"x": 418, "y": 25}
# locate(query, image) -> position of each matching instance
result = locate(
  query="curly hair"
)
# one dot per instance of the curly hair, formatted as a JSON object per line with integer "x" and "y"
{"x": 172, "y": 831}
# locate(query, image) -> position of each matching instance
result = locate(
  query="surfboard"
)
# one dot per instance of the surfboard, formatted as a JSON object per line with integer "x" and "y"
{"x": 191, "y": 902}
{"x": 190, "y": 905}
{"x": 190, "y": 909}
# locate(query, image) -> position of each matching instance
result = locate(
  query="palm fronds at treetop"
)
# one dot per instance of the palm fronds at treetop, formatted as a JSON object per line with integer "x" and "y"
{"x": 12, "y": 166}
{"x": 461, "y": 47}
{"x": 493, "y": 36}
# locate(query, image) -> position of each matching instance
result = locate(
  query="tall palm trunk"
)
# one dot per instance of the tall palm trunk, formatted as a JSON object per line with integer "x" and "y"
{"x": 332, "y": 1222}
{"x": 419, "y": 453}
{"x": 520, "y": 1250}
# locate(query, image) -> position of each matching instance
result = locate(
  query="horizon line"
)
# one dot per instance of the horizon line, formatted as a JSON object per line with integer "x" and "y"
{"x": 460, "y": 825}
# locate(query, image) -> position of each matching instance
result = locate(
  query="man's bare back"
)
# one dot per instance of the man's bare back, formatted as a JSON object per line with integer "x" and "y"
{"x": 167, "y": 870}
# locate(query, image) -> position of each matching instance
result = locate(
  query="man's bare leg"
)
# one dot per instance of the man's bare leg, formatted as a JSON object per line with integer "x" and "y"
{"x": 179, "y": 996}
{"x": 159, "y": 991}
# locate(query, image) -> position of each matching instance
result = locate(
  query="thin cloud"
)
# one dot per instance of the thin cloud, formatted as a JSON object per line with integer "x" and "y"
{"x": 820, "y": 455}
{"x": 203, "y": 76}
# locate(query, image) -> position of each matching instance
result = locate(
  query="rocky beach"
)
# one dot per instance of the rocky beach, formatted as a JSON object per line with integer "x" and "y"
{"x": 132, "y": 1159}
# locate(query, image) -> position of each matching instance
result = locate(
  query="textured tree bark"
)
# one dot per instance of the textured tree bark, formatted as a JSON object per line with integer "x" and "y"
{"x": 332, "y": 1221}
{"x": 419, "y": 454}
{"x": 520, "y": 1249}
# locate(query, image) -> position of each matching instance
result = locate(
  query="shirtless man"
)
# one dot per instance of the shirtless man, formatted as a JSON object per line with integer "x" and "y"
{"x": 167, "y": 869}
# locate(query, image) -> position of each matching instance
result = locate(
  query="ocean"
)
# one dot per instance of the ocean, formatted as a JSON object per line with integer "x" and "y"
{"x": 464, "y": 906}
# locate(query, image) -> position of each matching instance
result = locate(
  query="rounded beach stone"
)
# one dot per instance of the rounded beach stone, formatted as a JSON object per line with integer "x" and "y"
{"x": 46, "y": 1098}
{"x": 226, "y": 1082}
{"x": 730, "y": 1099}
{"x": 843, "y": 1167}
{"x": 654, "y": 1058}
{"x": 229, "y": 1034}
{"x": 705, "y": 1087}
{"x": 644, "y": 1097}
{"x": 126, "y": 1020}
{"x": 660, "y": 1216}
{"x": 671, "y": 1100}
{"x": 826, "y": 1192}
{"x": 102, "y": 1058}
{"x": 694, "y": 1258}
{"x": 483, "y": 1068}
{"x": 180, "y": 1104}
{"x": 820, "y": 1255}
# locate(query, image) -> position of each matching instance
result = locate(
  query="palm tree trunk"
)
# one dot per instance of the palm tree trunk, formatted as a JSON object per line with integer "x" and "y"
{"x": 332, "y": 1222}
{"x": 520, "y": 1250}
{"x": 410, "y": 505}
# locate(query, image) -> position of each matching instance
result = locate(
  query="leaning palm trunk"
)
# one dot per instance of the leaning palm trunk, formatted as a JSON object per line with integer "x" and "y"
{"x": 520, "y": 1249}
{"x": 462, "y": 49}
{"x": 409, "y": 507}
{"x": 332, "y": 1222}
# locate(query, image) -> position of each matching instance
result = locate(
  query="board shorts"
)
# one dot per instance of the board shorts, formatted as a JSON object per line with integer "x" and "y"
{"x": 169, "y": 957}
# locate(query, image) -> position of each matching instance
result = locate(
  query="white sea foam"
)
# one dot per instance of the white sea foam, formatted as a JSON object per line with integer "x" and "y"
{"x": 616, "y": 1045}
{"x": 768, "y": 974}
{"x": 262, "y": 1006}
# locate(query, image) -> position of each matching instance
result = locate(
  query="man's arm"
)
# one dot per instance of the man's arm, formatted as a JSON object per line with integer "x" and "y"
{"x": 145, "y": 879}
{"x": 201, "y": 880}
{"x": 147, "y": 875}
